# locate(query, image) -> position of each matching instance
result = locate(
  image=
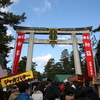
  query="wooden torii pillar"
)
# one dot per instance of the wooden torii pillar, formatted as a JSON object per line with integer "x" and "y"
{"x": 62, "y": 31}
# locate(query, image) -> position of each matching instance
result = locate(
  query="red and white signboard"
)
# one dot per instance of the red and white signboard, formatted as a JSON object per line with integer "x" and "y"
{"x": 88, "y": 54}
{"x": 18, "y": 48}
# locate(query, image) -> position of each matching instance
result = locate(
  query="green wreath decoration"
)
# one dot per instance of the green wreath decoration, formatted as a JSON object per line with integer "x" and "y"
{"x": 53, "y": 37}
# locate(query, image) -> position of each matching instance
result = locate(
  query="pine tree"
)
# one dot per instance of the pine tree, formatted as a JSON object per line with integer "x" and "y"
{"x": 72, "y": 65}
{"x": 22, "y": 65}
{"x": 97, "y": 29}
{"x": 65, "y": 61}
{"x": 48, "y": 68}
{"x": 82, "y": 59}
{"x": 7, "y": 18}
{"x": 97, "y": 57}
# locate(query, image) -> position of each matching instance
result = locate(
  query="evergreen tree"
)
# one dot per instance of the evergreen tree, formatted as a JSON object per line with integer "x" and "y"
{"x": 72, "y": 65}
{"x": 33, "y": 66}
{"x": 58, "y": 68}
{"x": 22, "y": 65}
{"x": 39, "y": 76}
{"x": 82, "y": 59}
{"x": 97, "y": 57}
{"x": 48, "y": 68}
{"x": 96, "y": 29}
{"x": 7, "y": 18}
{"x": 65, "y": 61}
{"x": 96, "y": 49}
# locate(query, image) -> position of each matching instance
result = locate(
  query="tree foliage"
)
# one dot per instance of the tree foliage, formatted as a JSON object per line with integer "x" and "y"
{"x": 61, "y": 67}
{"x": 71, "y": 64}
{"x": 39, "y": 76}
{"x": 82, "y": 59}
{"x": 64, "y": 59}
{"x": 96, "y": 29}
{"x": 64, "y": 66}
{"x": 5, "y": 41}
{"x": 33, "y": 67}
{"x": 7, "y": 18}
{"x": 22, "y": 65}
{"x": 97, "y": 57}
{"x": 49, "y": 68}
{"x": 5, "y": 3}
{"x": 96, "y": 44}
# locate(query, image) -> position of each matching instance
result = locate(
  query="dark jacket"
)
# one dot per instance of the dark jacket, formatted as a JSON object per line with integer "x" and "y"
{"x": 83, "y": 98}
{"x": 92, "y": 94}
{"x": 51, "y": 93}
{"x": 23, "y": 96}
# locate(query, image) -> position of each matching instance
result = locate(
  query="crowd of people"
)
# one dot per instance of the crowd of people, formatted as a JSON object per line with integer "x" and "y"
{"x": 50, "y": 91}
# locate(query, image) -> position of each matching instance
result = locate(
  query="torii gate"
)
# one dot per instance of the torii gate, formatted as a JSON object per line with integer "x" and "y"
{"x": 62, "y": 31}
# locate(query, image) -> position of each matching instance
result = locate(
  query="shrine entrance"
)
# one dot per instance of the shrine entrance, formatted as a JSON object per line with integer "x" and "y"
{"x": 60, "y": 31}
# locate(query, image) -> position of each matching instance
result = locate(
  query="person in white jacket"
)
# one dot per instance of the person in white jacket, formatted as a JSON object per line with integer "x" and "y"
{"x": 37, "y": 94}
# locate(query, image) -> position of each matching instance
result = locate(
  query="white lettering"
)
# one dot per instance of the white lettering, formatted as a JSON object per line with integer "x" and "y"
{"x": 20, "y": 37}
{"x": 17, "y": 52}
{"x": 90, "y": 64}
{"x": 84, "y": 37}
{"x": 19, "y": 43}
{"x": 88, "y": 37}
{"x": 87, "y": 44}
{"x": 88, "y": 53}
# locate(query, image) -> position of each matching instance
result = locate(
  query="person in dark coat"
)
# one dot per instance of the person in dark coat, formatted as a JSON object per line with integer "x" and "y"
{"x": 69, "y": 93}
{"x": 94, "y": 98}
{"x": 91, "y": 93}
{"x": 87, "y": 84}
{"x": 2, "y": 96}
{"x": 78, "y": 86}
{"x": 80, "y": 95}
{"x": 52, "y": 92}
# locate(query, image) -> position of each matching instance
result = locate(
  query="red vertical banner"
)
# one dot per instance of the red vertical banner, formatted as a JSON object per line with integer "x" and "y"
{"x": 18, "y": 48}
{"x": 88, "y": 54}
